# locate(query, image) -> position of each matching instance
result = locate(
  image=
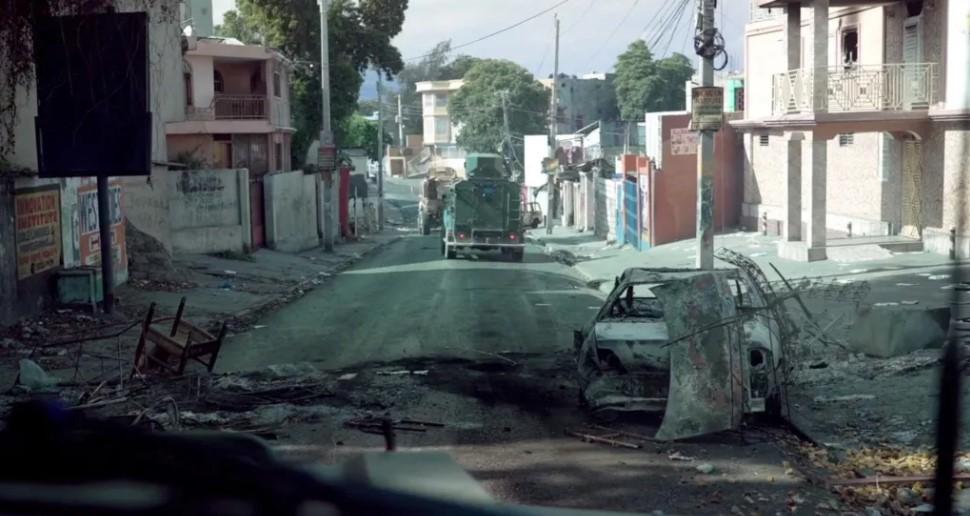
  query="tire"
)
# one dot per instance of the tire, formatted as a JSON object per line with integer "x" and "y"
{"x": 535, "y": 223}
{"x": 518, "y": 255}
{"x": 425, "y": 225}
{"x": 450, "y": 252}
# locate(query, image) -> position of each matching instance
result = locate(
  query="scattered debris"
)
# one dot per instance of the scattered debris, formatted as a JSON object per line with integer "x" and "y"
{"x": 888, "y": 480}
{"x": 420, "y": 372}
{"x": 348, "y": 376}
{"x": 376, "y": 425}
{"x": 676, "y": 455}
{"x": 705, "y": 468}
{"x": 847, "y": 397}
{"x": 590, "y": 438}
{"x": 938, "y": 277}
{"x": 34, "y": 378}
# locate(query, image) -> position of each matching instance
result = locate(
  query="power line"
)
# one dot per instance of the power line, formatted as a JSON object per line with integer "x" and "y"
{"x": 615, "y": 29}
{"x": 676, "y": 26}
{"x": 496, "y": 33}
{"x": 581, "y": 17}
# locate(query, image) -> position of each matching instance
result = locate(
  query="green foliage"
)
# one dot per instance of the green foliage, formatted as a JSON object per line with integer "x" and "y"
{"x": 239, "y": 27}
{"x": 644, "y": 84}
{"x": 360, "y": 37}
{"x": 478, "y": 107}
{"x": 357, "y": 131}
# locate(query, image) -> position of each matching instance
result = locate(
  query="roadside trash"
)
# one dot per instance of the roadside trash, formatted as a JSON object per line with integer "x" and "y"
{"x": 886, "y": 303}
{"x": 908, "y": 302}
{"x": 705, "y": 468}
{"x": 421, "y": 372}
{"x": 905, "y": 284}
{"x": 228, "y": 272}
{"x": 679, "y": 456}
{"x": 375, "y": 425}
{"x": 938, "y": 277}
{"x": 348, "y": 376}
{"x": 259, "y": 326}
{"x": 849, "y": 397}
{"x": 590, "y": 438}
{"x": 34, "y": 378}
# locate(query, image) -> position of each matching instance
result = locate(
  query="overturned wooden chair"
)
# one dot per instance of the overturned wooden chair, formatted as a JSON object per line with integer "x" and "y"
{"x": 170, "y": 348}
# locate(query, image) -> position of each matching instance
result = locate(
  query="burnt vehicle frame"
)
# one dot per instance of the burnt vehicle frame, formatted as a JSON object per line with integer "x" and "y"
{"x": 704, "y": 347}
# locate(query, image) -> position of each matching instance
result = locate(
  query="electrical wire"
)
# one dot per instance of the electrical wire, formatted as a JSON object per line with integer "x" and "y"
{"x": 496, "y": 33}
{"x": 606, "y": 41}
{"x": 676, "y": 27}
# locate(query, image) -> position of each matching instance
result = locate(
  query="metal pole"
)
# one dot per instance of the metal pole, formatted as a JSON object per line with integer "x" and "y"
{"x": 507, "y": 137}
{"x": 326, "y": 132}
{"x": 380, "y": 153}
{"x": 553, "y": 123}
{"x": 400, "y": 124}
{"x": 705, "y": 159}
{"x": 104, "y": 227}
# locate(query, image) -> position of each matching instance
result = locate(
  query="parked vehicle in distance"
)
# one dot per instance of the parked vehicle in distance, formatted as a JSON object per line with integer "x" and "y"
{"x": 532, "y": 215}
{"x": 483, "y": 211}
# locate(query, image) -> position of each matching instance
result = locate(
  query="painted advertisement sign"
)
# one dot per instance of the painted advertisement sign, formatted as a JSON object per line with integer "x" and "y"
{"x": 683, "y": 141}
{"x": 90, "y": 237}
{"x": 38, "y": 235}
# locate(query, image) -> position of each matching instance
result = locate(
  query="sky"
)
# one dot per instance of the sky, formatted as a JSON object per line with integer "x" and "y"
{"x": 592, "y": 32}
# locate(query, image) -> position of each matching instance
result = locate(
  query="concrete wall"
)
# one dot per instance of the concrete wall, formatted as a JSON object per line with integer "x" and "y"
{"x": 202, "y": 85}
{"x": 291, "y": 211}
{"x": 8, "y": 256}
{"x": 198, "y": 145}
{"x": 209, "y": 211}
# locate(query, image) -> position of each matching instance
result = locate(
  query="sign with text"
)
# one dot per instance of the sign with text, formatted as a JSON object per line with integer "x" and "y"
{"x": 707, "y": 108}
{"x": 683, "y": 141}
{"x": 90, "y": 237}
{"x": 38, "y": 235}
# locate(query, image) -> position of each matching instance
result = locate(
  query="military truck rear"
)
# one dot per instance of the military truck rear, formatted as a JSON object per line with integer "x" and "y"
{"x": 483, "y": 212}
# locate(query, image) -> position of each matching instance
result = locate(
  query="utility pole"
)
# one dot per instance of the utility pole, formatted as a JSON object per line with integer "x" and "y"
{"x": 400, "y": 124}
{"x": 327, "y": 155}
{"x": 705, "y": 158}
{"x": 553, "y": 123}
{"x": 506, "y": 137}
{"x": 380, "y": 153}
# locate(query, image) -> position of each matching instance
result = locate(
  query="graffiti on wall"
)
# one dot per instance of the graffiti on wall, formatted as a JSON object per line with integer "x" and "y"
{"x": 38, "y": 235}
{"x": 90, "y": 237}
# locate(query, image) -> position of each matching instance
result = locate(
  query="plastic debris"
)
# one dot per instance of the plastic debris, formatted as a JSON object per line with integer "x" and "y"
{"x": 705, "y": 468}
{"x": 34, "y": 378}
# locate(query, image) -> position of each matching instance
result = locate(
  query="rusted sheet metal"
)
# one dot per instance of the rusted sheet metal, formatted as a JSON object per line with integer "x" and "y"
{"x": 705, "y": 367}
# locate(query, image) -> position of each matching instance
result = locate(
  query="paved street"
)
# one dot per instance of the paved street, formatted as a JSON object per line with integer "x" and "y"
{"x": 408, "y": 302}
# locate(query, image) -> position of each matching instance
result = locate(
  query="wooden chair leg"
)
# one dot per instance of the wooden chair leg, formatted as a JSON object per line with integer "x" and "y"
{"x": 178, "y": 317}
{"x": 140, "y": 349}
{"x": 215, "y": 352}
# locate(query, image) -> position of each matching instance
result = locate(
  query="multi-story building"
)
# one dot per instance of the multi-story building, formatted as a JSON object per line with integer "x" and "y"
{"x": 438, "y": 126}
{"x": 857, "y": 121}
{"x": 237, "y": 107}
{"x": 583, "y": 100}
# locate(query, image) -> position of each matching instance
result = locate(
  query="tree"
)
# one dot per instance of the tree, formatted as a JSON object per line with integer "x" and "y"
{"x": 360, "y": 38}
{"x": 362, "y": 133}
{"x": 236, "y": 26}
{"x": 644, "y": 84}
{"x": 478, "y": 107}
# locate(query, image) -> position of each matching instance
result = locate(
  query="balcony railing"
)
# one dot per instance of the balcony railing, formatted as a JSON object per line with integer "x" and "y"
{"x": 885, "y": 87}
{"x": 239, "y": 107}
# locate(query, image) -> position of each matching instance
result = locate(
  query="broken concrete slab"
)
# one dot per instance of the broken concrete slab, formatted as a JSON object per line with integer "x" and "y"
{"x": 892, "y": 331}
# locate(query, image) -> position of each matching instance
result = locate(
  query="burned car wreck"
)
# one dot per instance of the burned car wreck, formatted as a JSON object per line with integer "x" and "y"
{"x": 704, "y": 347}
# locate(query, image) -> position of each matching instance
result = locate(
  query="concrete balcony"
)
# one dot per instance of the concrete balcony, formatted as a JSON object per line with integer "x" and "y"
{"x": 884, "y": 87}
{"x": 230, "y": 107}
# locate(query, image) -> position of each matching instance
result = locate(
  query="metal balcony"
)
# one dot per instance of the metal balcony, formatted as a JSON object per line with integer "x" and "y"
{"x": 884, "y": 87}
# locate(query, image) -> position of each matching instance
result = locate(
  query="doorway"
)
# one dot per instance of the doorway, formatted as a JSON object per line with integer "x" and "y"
{"x": 912, "y": 178}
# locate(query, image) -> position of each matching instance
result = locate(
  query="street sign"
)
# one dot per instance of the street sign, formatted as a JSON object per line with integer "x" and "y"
{"x": 327, "y": 158}
{"x": 707, "y": 108}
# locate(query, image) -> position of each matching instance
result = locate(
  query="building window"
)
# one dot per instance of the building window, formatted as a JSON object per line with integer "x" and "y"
{"x": 277, "y": 85}
{"x": 763, "y": 140}
{"x": 428, "y": 101}
{"x": 440, "y": 100}
{"x": 187, "y": 79}
{"x": 845, "y": 139}
{"x": 739, "y": 99}
{"x": 850, "y": 46}
{"x": 217, "y": 83}
{"x": 441, "y": 126}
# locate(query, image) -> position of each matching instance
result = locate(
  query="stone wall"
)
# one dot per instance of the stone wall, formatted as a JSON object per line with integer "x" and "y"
{"x": 291, "y": 211}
